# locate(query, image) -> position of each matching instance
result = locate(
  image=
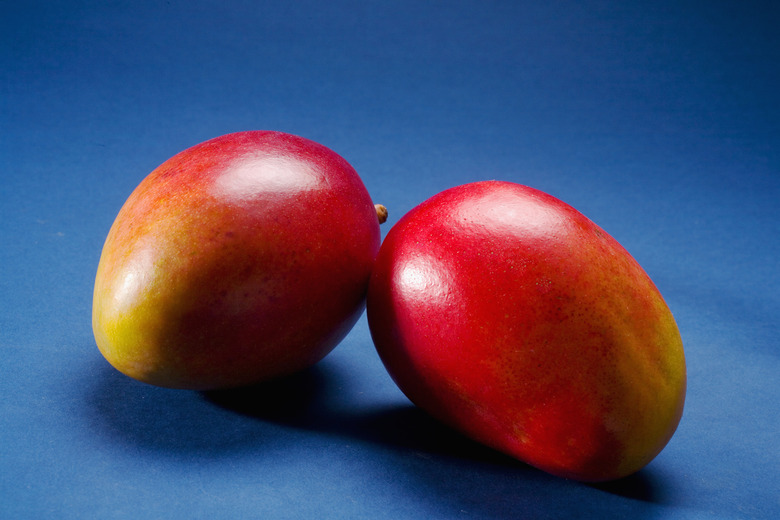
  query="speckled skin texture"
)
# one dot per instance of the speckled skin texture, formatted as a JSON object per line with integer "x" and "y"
{"x": 241, "y": 259}
{"x": 510, "y": 316}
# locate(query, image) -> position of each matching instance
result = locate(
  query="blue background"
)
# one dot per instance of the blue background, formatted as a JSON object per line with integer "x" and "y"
{"x": 658, "y": 120}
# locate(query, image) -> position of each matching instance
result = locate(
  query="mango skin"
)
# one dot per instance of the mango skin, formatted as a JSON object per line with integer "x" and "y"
{"x": 241, "y": 259}
{"x": 510, "y": 316}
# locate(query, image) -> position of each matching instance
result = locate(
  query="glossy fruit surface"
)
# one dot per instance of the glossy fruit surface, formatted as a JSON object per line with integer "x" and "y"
{"x": 241, "y": 259}
{"x": 513, "y": 318}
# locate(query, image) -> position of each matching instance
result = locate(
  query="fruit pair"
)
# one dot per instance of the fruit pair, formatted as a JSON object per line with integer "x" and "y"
{"x": 500, "y": 310}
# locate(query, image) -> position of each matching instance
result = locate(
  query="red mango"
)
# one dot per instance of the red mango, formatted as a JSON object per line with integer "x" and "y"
{"x": 241, "y": 259}
{"x": 513, "y": 318}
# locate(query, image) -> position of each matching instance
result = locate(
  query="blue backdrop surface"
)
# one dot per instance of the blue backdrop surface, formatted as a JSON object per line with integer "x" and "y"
{"x": 658, "y": 120}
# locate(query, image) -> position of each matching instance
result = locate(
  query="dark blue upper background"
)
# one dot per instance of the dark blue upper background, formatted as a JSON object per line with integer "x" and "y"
{"x": 658, "y": 120}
